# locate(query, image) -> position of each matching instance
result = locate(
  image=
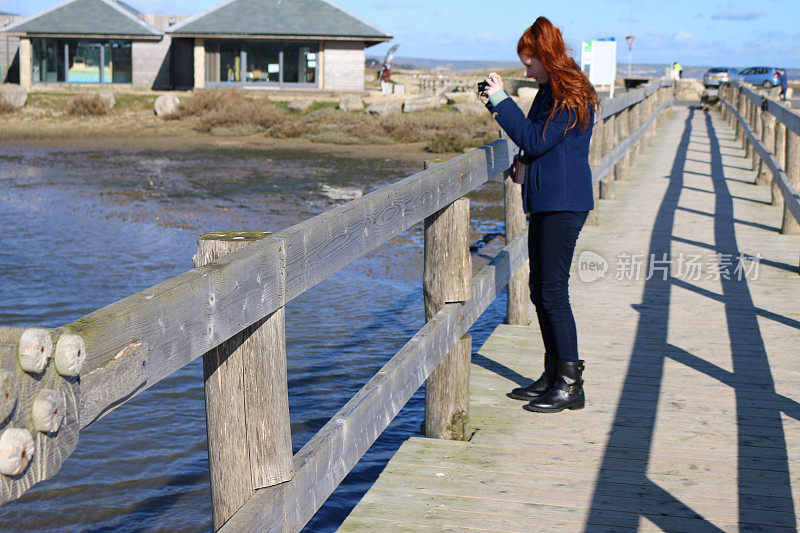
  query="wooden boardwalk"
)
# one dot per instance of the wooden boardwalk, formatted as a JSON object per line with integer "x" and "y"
{"x": 692, "y": 382}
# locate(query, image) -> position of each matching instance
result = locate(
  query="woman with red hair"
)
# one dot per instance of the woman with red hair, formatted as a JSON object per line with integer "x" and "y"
{"x": 557, "y": 192}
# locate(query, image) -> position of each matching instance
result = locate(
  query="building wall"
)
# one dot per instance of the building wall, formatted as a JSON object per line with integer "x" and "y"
{"x": 162, "y": 22}
{"x": 343, "y": 66}
{"x": 9, "y": 46}
{"x": 151, "y": 63}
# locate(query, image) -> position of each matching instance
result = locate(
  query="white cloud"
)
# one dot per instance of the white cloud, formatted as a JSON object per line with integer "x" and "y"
{"x": 732, "y": 13}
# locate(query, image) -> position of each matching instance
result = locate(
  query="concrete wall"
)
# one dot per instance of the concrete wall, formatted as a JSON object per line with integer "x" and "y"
{"x": 199, "y": 64}
{"x": 25, "y": 67}
{"x": 151, "y": 63}
{"x": 343, "y": 66}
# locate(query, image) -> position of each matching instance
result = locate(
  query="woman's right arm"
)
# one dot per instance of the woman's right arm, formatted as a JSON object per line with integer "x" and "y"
{"x": 535, "y": 135}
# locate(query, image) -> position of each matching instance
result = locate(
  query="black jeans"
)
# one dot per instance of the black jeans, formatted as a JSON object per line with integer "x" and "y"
{"x": 551, "y": 244}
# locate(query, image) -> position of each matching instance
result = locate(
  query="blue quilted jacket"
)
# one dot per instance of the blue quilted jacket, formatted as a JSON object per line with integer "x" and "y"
{"x": 559, "y": 179}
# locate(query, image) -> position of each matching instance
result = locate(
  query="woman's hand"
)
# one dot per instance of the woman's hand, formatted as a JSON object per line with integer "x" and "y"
{"x": 495, "y": 84}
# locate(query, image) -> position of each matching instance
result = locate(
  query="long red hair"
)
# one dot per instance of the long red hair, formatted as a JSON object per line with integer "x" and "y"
{"x": 571, "y": 89}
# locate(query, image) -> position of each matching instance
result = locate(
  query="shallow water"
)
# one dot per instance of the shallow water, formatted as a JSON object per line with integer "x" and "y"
{"x": 84, "y": 229}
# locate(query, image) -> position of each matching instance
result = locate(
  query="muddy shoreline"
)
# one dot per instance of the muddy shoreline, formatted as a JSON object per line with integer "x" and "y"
{"x": 408, "y": 153}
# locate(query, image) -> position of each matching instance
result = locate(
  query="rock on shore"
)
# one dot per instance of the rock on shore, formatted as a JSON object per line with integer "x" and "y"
{"x": 351, "y": 102}
{"x": 14, "y": 95}
{"x": 166, "y": 104}
{"x": 301, "y": 104}
{"x": 107, "y": 97}
{"x": 422, "y": 102}
{"x": 384, "y": 109}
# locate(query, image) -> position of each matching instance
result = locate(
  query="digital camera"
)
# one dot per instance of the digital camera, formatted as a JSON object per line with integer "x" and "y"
{"x": 482, "y": 86}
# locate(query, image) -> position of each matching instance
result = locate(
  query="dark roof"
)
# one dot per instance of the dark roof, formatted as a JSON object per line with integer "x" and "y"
{"x": 86, "y": 17}
{"x": 279, "y": 17}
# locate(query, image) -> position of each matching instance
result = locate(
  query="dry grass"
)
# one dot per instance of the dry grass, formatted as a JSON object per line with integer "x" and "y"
{"x": 87, "y": 105}
{"x": 225, "y": 108}
{"x": 442, "y": 129}
{"x": 5, "y": 107}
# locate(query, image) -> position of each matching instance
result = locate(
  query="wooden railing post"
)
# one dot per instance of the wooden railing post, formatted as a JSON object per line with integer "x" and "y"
{"x": 247, "y": 401}
{"x": 766, "y": 126}
{"x": 723, "y": 92}
{"x": 741, "y": 106}
{"x": 790, "y": 225}
{"x": 622, "y": 170}
{"x": 660, "y": 98}
{"x": 518, "y": 288}
{"x": 447, "y": 277}
{"x": 634, "y": 123}
{"x": 595, "y": 155}
{"x": 609, "y": 141}
{"x": 751, "y": 121}
{"x": 780, "y": 156}
{"x": 756, "y": 124}
{"x": 651, "y": 130}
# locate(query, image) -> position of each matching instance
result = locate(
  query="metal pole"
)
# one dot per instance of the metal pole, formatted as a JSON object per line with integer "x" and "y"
{"x": 630, "y": 33}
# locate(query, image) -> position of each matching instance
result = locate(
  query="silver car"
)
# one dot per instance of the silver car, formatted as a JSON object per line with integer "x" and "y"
{"x": 717, "y": 75}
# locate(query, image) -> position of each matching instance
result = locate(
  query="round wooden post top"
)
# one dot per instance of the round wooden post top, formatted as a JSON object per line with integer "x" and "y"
{"x": 234, "y": 236}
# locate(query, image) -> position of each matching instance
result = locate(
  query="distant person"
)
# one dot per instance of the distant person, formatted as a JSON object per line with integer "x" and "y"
{"x": 784, "y": 81}
{"x": 557, "y": 192}
{"x": 677, "y": 71}
{"x": 386, "y": 79}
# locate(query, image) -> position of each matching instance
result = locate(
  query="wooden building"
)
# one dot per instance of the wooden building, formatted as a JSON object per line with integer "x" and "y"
{"x": 302, "y": 43}
{"x": 249, "y": 43}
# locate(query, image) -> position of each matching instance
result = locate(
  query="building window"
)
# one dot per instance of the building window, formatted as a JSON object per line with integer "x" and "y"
{"x": 79, "y": 61}
{"x": 261, "y": 62}
{"x": 48, "y": 61}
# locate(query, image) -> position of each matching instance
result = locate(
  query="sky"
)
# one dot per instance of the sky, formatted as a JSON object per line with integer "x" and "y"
{"x": 733, "y": 33}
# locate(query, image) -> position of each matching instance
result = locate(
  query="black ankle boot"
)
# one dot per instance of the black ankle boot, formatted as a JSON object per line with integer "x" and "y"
{"x": 567, "y": 393}
{"x": 541, "y": 385}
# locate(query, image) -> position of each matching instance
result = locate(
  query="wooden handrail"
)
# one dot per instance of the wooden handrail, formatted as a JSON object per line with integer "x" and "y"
{"x": 184, "y": 317}
{"x": 790, "y": 195}
{"x": 132, "y": 344}
{"x": 788, "y": 117}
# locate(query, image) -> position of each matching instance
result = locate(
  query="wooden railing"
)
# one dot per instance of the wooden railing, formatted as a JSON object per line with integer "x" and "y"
{"x": 230, "y": 310}
{"x": 770, "y": 132}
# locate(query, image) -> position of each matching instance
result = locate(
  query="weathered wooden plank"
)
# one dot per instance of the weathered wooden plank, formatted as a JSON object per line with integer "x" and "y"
{"x": 790, "y": 196}
{"x": 182, "y": 318}
{"x": 789, "y": 117}
{"x": 447, "y": 263}
{"x": 176, "y": 319}
{"x": 518, "y": 288}
{"x": 447, "y": 395}
{"x": 104, "y": 388}
{"x": 791, "y": 224}
{"x": 619, "y": 150}
{"x": 186, "y": 316}
{"x": 498, "y": 461}
{"x": 434, "y": 479}
{"x": 446, "y": 278}
{"x": 613, "y": 498}
{"x": 247, "y": 402}
{"x": 324, "y": 461}
{"x": 39, "y": 409}
{"x": 443, "y": 512}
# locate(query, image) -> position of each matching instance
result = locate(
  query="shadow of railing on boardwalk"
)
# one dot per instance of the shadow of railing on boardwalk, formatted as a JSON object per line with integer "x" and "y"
{"x": 758, "y": 408}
